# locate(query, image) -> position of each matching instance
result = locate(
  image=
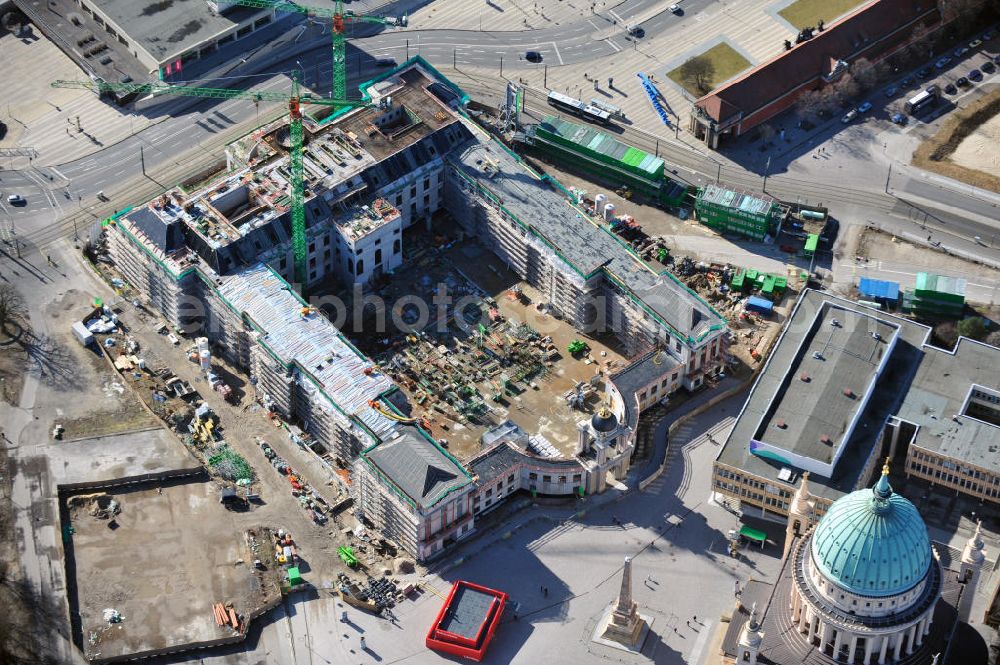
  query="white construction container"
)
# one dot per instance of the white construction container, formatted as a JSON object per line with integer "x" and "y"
{"x": 609, "y": 212}
{"x": 205, "y": 358}
{"x": 599, "y": 202}
{"x": 82, "y": 335}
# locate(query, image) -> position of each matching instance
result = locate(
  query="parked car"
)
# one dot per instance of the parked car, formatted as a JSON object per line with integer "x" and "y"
{"x": 962, "y": 82}
{"x": 850, "y": 115}
{"x": 950, "y": 89}
{"x": 898, "y": 118}
{"x": 533, "y": 56}
{"x": 988, "y": 35}
{"x": 961, "y": 50}
{"x": 942, "y": 62}
{"x": 865, "y": 107}
{"x": 975, "y": 43}
{"x": 16, "y": 200}
{"x": 976, "y": 75}
{"x": 906, "y": 82}
{"x": 925, "y": 73}
{"x": 988, "y": 67}
{"x": 675, "y": 9}
{"x": 891, "y": 91}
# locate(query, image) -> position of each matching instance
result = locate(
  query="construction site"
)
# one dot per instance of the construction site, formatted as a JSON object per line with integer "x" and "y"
{"x": 498, "y": 355}
{"x": 151, "y": 563}
{"x": 397, "y": 285}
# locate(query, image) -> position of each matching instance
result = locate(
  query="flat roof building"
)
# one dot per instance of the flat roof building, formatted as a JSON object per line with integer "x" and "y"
{"x": 862, "y": 399}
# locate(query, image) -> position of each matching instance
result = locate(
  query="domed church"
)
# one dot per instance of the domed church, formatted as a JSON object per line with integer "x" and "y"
{"x": 862, "y": 586}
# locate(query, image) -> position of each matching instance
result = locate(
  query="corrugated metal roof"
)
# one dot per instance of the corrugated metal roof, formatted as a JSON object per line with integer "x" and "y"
{"x": 729, "y": 198}
{"x": 310, "y": 340}
{"x": 942, "y": 284}
{"x": 877, "y": 288}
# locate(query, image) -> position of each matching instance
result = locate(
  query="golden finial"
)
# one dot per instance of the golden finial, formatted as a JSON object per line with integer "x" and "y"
{"x": 885, "y": 467}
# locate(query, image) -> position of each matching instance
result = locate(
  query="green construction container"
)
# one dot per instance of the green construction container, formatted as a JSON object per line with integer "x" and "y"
{"x": 936, "y": 295}
{"x": 811, "y": 241}
{"x": 737, "y": 281}
{"x": 294, "y": 576}
{"x": 730, "y": 211}
{"x": 601, "y": 147}
{"x": 587, "y": 149}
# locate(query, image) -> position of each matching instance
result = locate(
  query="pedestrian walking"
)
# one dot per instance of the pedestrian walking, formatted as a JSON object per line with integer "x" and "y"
{"x": 545, "y": 591}
{"x": 696, "y": 618}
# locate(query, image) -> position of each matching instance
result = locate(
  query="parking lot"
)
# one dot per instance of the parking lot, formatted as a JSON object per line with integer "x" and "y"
{"x": 951, "y": 77}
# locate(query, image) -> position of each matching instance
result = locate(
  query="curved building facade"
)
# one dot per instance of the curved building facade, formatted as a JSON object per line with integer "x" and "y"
{"x": 865, "y": 579}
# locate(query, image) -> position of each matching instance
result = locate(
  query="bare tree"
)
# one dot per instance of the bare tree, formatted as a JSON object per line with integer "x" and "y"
{"x": 826, "y": 101}
{"x": 864, "y": 73}
{"x": 808, "y": 105}
{"x": 845, "y": 89}
{"x": 12, "y": 307}
{"x": 699, "y": 73}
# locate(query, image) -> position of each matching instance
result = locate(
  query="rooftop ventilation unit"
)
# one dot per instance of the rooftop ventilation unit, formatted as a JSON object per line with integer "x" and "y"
{"x": 826, "y": 439}
{"x": 835, "y": 323}
{"x": 848, "y": 393}
{"x": 781, "y": 424}
{"x": 817, "y": 355}
{"x": 785, "y": 474}
{"x": 877, "y": 337}
{"x": 805, "y": 378}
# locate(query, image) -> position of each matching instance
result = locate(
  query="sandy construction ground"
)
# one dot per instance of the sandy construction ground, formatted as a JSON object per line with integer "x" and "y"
{"x": 979, "y": 150}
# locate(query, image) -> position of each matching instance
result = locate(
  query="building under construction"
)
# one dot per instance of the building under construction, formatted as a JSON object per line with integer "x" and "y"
{"x": 216, "y": 262}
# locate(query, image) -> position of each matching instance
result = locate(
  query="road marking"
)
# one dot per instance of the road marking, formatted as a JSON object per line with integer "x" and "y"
{"x": 59, "y": 173}
{"x": 558, "y": 55}
{"x": 699, "y": 644}
{"x": 612, "y": 45}
{"x": 616, "y": 17}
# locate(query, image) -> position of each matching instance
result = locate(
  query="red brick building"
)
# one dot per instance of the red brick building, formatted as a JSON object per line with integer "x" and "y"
{"x": 872, "y": 31}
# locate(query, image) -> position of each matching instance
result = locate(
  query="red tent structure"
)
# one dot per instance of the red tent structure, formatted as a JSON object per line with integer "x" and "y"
{"x": 467, "y": 621}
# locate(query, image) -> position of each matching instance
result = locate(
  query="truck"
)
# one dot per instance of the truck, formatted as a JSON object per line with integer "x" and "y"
{"x": 84, "y": 336}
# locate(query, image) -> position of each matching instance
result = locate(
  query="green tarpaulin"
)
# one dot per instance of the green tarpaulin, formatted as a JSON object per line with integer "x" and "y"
{"x": 753, "y": 534}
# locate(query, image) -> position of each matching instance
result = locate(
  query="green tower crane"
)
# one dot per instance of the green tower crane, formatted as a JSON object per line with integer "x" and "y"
{"x": 294, "y": 101}
{"x": 340, "y": 20}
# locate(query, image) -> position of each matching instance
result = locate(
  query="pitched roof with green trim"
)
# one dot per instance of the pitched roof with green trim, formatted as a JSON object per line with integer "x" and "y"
{"x": 417, "y": 466}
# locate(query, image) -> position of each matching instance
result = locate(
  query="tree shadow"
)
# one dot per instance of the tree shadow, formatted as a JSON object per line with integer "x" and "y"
{"x": 51, "y": 361}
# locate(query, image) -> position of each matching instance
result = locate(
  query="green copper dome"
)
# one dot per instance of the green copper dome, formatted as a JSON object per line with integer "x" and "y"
{"x": 872, "y": 542}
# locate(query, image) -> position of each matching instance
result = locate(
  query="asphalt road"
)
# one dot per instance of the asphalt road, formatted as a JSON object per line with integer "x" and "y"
{"x": 602, "y": 34}
{"x": 198, "y": 131}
